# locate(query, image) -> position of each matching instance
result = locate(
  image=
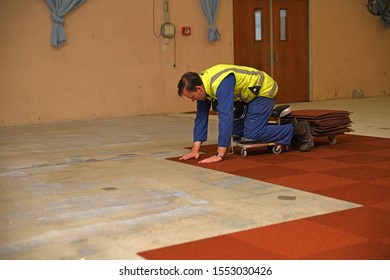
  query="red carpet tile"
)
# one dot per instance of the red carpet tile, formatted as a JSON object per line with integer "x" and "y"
{"x": 366, "y": 194}
{"x": 367, "y": 222}
{"x": 295, "y": 240}
{"x": 216, "y": 248}
{"x": 356, "y": 169}
{"x": 365, "y": 250}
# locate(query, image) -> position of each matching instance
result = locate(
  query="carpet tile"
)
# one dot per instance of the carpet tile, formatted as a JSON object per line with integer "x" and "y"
{"x": 355, "y": 169}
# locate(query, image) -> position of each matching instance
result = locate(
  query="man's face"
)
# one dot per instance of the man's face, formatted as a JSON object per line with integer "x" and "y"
{"x": 198, "y": 94}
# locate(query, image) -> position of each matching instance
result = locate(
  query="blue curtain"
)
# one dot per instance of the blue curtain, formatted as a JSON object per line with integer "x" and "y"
{"x": 59, "y": 8}
{"x": 210, "y": 8}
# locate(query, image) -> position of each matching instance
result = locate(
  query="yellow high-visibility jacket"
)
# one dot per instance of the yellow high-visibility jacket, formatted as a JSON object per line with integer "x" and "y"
{"x": 250, "y": 82}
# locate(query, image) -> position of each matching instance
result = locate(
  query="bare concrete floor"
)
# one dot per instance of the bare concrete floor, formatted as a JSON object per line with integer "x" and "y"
{"x": 102, "y": 189}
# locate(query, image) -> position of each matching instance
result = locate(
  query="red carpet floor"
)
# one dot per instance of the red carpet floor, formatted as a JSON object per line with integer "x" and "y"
{"x": 356, "y": 169}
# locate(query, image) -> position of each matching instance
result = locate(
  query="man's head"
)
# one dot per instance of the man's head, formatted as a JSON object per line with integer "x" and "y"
{"x": 191, "y": 86}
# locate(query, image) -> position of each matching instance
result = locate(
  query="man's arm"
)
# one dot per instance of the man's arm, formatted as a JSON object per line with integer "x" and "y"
{"x": 225, "y": 96}
{"x": 201, "y": 120}
{"x": 200, "y": 128}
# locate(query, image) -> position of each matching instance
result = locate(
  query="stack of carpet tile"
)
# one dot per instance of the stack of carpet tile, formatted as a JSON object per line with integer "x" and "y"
{"x": 325, "y": 122}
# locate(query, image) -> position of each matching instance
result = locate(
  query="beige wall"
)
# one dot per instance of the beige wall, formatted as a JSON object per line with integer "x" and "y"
{"x": 112, "y": 64}
{"x": 350, "y": 49}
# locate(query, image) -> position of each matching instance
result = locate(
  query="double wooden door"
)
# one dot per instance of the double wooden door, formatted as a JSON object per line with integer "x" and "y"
{"x": 272, "y": 35}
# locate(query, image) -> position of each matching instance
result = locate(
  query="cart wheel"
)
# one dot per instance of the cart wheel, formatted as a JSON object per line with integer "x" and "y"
{"x": 332, "y": 139}
{"x": 243, "y": 153}
{"x": 277, "y": 149}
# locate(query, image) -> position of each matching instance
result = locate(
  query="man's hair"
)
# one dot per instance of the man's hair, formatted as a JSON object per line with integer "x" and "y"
{"x": 189, "y": 81}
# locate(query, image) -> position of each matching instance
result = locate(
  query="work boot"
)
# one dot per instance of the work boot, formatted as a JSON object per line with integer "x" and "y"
{"x": 302, "y": 131}
{"x": 295, "y": 143}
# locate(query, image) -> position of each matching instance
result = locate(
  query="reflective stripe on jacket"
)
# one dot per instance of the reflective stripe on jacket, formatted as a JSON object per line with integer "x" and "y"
{"x": 250, "y": 82}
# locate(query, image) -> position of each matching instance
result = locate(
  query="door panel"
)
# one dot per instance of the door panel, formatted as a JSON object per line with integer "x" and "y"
{"x": 283, "y": 48}
{"x": 290, "y": 41}
{"x": 248, "y": 50}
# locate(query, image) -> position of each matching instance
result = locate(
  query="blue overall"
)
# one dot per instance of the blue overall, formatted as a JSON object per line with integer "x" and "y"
{"x": 255, "y": 126}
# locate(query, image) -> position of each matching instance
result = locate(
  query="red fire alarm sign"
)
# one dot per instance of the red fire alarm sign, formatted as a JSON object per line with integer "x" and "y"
{"x": 186, "y": 30}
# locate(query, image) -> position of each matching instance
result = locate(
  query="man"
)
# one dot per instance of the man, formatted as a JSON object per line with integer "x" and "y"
{"x": 225, "y": 84}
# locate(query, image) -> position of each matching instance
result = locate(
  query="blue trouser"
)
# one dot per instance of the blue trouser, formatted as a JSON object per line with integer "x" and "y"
{"x": 255, "y": 125}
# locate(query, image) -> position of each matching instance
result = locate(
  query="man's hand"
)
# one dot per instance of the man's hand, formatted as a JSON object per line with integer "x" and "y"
{"x": 194, "y": 151}
{"x": 211, "y": 159}
{"x": 190, "y": 155}
{"x": 216, "y": 158}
